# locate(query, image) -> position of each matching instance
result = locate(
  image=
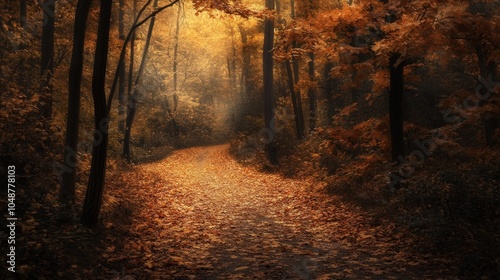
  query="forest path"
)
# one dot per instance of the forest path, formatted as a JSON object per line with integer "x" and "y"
{"x": 208, "y": 217}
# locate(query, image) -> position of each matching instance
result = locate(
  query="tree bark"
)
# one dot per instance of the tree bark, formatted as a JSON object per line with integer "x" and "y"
{"x": 67, "y": 192}
{"x": 487, "y": 70}
{"x": 121, "y": 67}
{"x": 329, "y": 88}
{"x": 247, "y": 88}
{"x": 291, "y": 85}
{"x": 396, "y": 107}
{"x": 95, "y": 188}
{"x": 176, "y": 55}
{"x": 271, "y": 148}
{"x": 133, "y": 108}
{"x": 312, "y": 95}
{"x": 130, "y": 101}
{"x": 47, "y": 60}
{"x": 295, "y": 65}
{"x": 174, "y": 132}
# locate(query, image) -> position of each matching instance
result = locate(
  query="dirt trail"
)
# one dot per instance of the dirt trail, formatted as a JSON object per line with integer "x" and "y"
{"x": 207, "y": 217}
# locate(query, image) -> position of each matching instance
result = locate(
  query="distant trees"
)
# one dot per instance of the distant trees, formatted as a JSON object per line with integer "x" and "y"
{"x": 378, "y": 45}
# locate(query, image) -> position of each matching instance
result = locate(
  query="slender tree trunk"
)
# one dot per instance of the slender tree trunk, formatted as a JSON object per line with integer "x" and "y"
{"x": 130, "y": 101}
{"x": 271, "y": 148}
{"x": 95, "y": 188}
{"x": 133, "y": 109}
{"x": 487, "y": 70}
{"x": 481, "y": 57}
{"x": 329, "y": 88}
{"x": 312, "y": 95}
{"x": 396, "y": 107}
{"x": 247, "y": 88}
{"x": 22, "y": 13}
{"x": 67, "y": 193}
{"x": 233, "y": 62}
{"x": 176, "y": 55}
{"x": 173, "y": 122}
{"x": 121, "y": 67}
{"x": 295, "y": 64}
{"x": 47, "y": 60}
{"x": 291, "y": 85}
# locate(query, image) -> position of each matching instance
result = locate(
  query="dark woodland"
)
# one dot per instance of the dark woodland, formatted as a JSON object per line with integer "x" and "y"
{"x": 250, "y": 139}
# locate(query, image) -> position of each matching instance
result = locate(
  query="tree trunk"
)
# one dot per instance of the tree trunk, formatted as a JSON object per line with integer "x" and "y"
{"x": 47, "y": 60}
{"x": 312, "y": 95}
{"x": 67, "y": 192}
{"x": 295, "y": 64}
{"x": 173, "y": 123}
{"x": 133, "y": 108}
{"x": 329, "y": 88}
{"x": 130, "y": 101}
{"x": 247, "y": 88}
{"x": 488, "y": 73}
{"x": 95, "y": 188}
{"x": 291, "y": 85}
{"x": 176, "y": 54}
{"x": 396, "y": 107}
{"x": 271, "y": 148}
{"x": 121, "y": 67}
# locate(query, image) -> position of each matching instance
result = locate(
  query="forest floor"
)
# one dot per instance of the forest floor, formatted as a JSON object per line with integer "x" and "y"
{"x": 198, "y": 214}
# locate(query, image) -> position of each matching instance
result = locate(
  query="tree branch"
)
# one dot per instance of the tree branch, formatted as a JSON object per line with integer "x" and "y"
{"x": 136, "y": 25}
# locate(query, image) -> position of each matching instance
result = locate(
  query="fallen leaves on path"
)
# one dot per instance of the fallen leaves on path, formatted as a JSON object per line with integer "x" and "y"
{"x": 204, "y": 216}
{"x": 198, "y": 214}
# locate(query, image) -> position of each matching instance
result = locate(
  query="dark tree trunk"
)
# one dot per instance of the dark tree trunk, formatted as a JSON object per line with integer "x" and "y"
{"x": 95, "y": 188}
{"x": 291, "y": 85}
{"x": 295, "y": 64}
{"x": 133, "y": 108}
{"x": 312, "y": 95}
{"x": 329, "y": 89}
{"x": 121, "y": 72}
{"x": 483, "y": 70}
{"x": 487, "y": 70}
{"x": 490, "y": 126}
{"x": 67, "y": 193}
{"x": 130, "y": 101}
{"x": 47, "y": 60}
{"x": 271, "y": 148}
{"x": 121, "y": 98}
{"x": 22, "y": 13}
{"x": 396, "y": 107}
